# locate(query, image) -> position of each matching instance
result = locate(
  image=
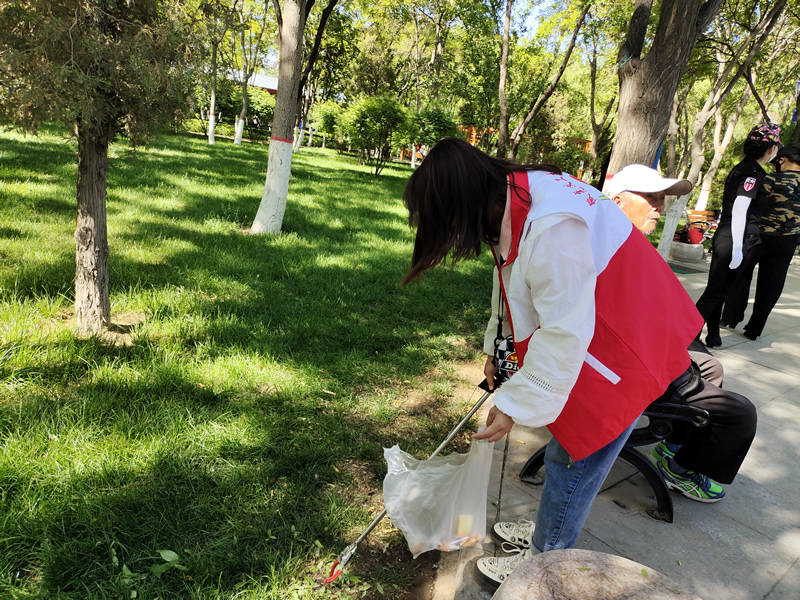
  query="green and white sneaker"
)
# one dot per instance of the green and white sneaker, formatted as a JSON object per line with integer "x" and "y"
{"x": 663, "y": 448}
{"x": 691, "y": 484}
{"x": 499, "y": 568}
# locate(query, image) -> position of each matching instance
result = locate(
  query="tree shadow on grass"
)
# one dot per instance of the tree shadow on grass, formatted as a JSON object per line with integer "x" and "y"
{"x": 330, "y": 282}
{"x": 246, "y": 490}
{"x": 241, "y": 477}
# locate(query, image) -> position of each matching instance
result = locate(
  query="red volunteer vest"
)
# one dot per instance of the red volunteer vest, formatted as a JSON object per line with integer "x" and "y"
{"x": 644, "y": 319}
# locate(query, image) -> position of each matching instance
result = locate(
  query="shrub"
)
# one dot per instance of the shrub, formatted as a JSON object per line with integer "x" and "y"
{"x": 371, "y": 122}
{"x": 431, "y": 125}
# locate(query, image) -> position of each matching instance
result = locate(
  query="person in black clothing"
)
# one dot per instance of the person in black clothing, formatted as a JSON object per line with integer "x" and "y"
{"x": 737, "y": 232}
{"x": 780, "y": 233}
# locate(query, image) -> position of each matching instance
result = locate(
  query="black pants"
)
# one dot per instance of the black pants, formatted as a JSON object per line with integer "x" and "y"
{"x": 739, "y": 292}
{"x": 773, "y": 258}
{"x": 718, "y": 449}
{"x": 721, "y": 278}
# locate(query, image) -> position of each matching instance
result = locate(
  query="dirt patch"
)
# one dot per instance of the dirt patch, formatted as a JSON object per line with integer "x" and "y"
{"x": 446, "y": 396}
{"x": 119, "y": 332}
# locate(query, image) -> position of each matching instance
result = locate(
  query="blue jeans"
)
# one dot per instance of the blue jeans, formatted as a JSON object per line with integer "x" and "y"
{"x": 569, "y": 490}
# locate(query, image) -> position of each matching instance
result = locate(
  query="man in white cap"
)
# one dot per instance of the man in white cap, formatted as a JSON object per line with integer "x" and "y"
{"x": 640, "y": 191}
{"x": 689, "y": 458}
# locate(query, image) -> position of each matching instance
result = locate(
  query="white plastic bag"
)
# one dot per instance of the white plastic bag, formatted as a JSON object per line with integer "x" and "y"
{"x": 439, "y": 502}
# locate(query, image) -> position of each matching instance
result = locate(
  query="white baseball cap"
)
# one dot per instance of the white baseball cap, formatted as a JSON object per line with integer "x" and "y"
{"x": 639, "y": 178}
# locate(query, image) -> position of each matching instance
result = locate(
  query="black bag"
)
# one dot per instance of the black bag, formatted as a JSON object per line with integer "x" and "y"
{"x": 751, "y": 240}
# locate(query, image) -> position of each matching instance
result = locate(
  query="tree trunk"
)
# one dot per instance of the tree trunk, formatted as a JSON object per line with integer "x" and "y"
{"x": 212, "y": 106}
{"x": 237, "y": 140}
{"x": 538, "y": 104}
{"x": 417, "y": 58}
{"x": 599, "y": 128}
{"x": 315, "y": 47}
{"x": 683, "y": 123}
{"x": 436, "y": 58}
{"x": 648, "y": 85}
{"x": 298, "y": 140}
{"x": 92, "y": 303}
{"x": 644, "y": 109}
{"x": 727, "y": 76}
{"x": 672, "y": 137}
{"x": 269, "y": 217}
{"x": 721, "y": 143}
{"x": 502, "y": 129}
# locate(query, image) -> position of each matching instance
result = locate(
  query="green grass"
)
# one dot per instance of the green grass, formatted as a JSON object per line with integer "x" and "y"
{"x": 241, "y": 425}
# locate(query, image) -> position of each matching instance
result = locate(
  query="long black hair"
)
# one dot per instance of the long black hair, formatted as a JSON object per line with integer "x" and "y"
{"x": 456, "y": 199}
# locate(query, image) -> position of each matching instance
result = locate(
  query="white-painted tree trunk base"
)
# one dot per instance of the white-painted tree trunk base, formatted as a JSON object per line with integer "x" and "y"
{"x": 212, "y": 125}
{"x": 674, "y": 210}
{"x": 413, "y": 156}
{"x": 702, "y": 199}
{"x": 239, "y": 131}
{"x": 310, "y": 136}
{"x": 687, "y": 252}
{"x": 269, "y": 217}
{"x": 323, "y": 138}
{"x": 299, "y": 139}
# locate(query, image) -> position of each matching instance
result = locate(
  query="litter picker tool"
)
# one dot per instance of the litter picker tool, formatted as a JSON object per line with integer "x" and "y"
{"x": 340, "y": 563}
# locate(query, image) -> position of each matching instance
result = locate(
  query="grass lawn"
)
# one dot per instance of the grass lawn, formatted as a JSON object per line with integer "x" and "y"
{"x": 228, "y": 444}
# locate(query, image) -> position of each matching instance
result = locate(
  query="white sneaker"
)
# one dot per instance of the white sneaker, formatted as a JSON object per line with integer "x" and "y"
{"x": 518, "y": 533}
{"x": 499, "y": 568}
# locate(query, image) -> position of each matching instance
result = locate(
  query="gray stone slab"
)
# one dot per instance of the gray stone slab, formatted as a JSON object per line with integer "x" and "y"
{"x": 778, "y": 352}
{"x": 788, "y": 586}
{"x": 631, "y": 495}
{"x": 712, "y": 554}
{"x": 589, "y": 542}
{"x": 621, "y": 471}
{"x": 761, "y": 496}
{"x": 759, "y": 383}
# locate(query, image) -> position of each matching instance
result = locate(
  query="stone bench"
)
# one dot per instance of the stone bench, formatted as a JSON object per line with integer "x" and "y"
{"x": 587, "y": 575}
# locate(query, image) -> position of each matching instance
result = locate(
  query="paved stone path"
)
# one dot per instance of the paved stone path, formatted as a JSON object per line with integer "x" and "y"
{"x": 745, "y": 547}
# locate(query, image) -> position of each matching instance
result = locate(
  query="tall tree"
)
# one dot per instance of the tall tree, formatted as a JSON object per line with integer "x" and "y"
{"x": 305, "y": 91}
{"x": 648, "y": 83}
{"x": 101, "y": 69}
{"x": 502, "y": 129}
{"x": 291, "y": 24}
{"x": 735, "y": 51}
{"x": 538, "y": 103}
{"x": 252, "y": 17}
{"x": 442, "y": 15}
{"x": 218, "y": 17}
{"x": 721, "y": 141}
{"x": 595, "y": 40}
{"x": 673, "y": 130}
{"x": 476, "y": 81}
